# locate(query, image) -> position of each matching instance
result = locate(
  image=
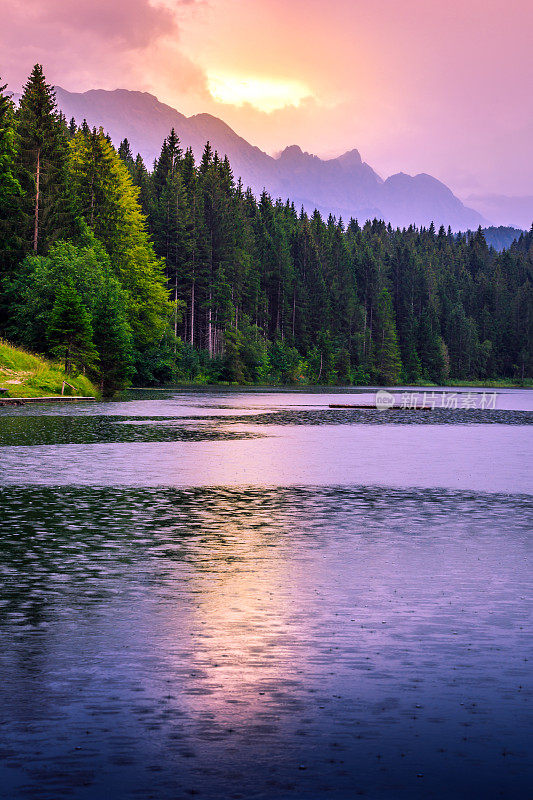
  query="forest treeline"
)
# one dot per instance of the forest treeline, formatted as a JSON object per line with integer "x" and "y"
{"x": 177, "y": 272}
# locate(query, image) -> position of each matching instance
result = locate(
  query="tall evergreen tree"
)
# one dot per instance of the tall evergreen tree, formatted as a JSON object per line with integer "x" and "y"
{"x": 387, "y": 360}
{"x": 126, "y": 156}
{"x": 108, "y": 201}
{"x": 70, "y": 331}
{"x": 42, "y": 165}
{"x": 171, "y": 221}
{"x": 112, "y": 338}
{"x": 10, "y": 191}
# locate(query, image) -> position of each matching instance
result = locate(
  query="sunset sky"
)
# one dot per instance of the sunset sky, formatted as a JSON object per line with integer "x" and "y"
{"x": 416, "y": 85}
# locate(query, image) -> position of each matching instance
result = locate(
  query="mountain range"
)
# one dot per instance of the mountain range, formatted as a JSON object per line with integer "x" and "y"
{"x": 505, "y": 210}
{"x": 345, "y": 186}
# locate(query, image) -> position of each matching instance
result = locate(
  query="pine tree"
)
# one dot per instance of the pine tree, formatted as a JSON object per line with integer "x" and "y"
{"x": 109, "y": 203}
{"x": 265, "y": 291}
{"x": 387, "y": 361}
{"x": 409, "y": 355}
{"x": 430, "y": 350}
{"x": 126, "y": 156}
{"x": 112, "y": 338}
{"x": 142, "y": 180}
{"x": 70, "y": 331}
{"x": 198, "y": 242}
{"x": 171, "y": 222}
{"x": 220, "y": 254}
{"x": 10, "y": 190}
{"x": 42, "y": 165}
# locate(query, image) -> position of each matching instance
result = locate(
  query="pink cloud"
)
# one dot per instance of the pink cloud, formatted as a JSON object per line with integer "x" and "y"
{"x": 128, "y": 23}
{"x": 416, "y": 85}
{"x": 90, "y": 43}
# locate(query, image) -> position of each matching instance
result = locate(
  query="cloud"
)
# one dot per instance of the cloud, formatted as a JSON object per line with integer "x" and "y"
{"x": 127, "y": 23}
{"x": 97, "y": 43}
{"x": 416, "y": 86}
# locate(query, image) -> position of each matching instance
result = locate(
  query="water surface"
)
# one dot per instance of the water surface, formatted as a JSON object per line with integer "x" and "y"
{"x": 250, "y": 595}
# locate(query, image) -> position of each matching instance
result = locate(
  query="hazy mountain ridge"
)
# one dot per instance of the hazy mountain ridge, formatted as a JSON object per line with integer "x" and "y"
{"x": 502, "y": 238}
{"x": 345, "y": 186}
{"x": 505, "y": 211}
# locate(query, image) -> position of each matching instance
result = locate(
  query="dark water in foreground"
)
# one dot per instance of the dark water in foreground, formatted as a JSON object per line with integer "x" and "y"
{"x": 251, "y": 597}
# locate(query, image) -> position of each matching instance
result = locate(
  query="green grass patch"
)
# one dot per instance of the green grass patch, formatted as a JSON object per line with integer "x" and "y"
{"x": 24, "y": 374}
{"x": 502, "y": 383}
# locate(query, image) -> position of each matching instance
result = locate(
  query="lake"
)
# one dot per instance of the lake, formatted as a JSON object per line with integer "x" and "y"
{"x": 249, "y": 594}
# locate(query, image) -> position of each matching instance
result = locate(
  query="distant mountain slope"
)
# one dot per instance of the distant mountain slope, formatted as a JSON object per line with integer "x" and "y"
{"x": 344, "y": 186}
{"x": 145, "y": 121}
{"x": 501, "y": 238}
{"x": 504, "y": 210}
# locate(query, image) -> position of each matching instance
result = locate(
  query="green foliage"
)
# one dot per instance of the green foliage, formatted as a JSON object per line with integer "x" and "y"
{"x": 108, "y": 201}
{"x": 342, "y": 368}
{"x": 27, "y": 375}
{"x": 112, "y": 338}
{"x": 233, "y": 365}
{"x": 182, "y": 274}
{"x": 158, "y": 363}
{"x": 254, "y": 355}
{"x": 285, "y": 363}
{"x": 87, "y": 272}
{"x": 245, "y": 357}
{"x": 10, "y": 190}
{"x": 360, "y": 377}
{"x": 432, "y": 357}
{"x": 321, "y": 360}
{"x": 70, "y": 332}
{"x": 387, "y": 360}
{"x": 41, "y": 167}
{"x": 10, "y": 199}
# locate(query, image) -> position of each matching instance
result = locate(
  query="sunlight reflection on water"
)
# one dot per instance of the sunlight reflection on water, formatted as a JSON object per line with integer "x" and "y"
{"x": 317, "y": 611}
{"x": 484, "y": 458}
{"x": 160, "y": 641}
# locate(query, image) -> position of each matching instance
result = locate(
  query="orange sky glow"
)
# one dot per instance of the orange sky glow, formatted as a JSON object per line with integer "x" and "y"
{"x": 415, "y": 85}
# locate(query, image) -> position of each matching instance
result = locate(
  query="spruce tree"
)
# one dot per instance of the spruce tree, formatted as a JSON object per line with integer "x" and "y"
{"x": 125, "y": 154}
{"x": 42, "y": 166}
{"x": 10, "y": 191}
{"x": 265, "y": 291}
{"x": 430, "y": 351}
{"x": 112, "y": 338}
{"x": 70, "y": 331}
{"x": 108, "y": 200}
{"x": 142, "y": 180}
{"x": 171, "y": 222}
{"x": 387, "y": 360}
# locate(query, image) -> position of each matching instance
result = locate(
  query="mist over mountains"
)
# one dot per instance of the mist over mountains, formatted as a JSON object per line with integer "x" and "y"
{"x": 345, "y": 186}
{"x": 505, "y": 210}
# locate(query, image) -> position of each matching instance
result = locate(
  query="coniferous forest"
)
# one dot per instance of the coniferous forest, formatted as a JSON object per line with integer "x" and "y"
{"x": 174, "y": 272}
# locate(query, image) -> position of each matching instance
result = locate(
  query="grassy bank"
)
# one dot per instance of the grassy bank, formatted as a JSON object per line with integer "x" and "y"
{"x": 500, "y": 383}
{"x": 27, "y": 375}
{"x": 503, "y": 383}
